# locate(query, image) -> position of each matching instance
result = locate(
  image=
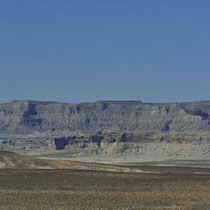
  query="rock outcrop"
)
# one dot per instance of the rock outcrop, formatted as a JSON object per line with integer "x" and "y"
{"x": 29, "y": 117}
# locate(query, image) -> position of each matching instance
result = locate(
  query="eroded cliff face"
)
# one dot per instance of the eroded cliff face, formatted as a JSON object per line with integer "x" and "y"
{"x": 114, "y": 147}
{"x": 28, "y": 117}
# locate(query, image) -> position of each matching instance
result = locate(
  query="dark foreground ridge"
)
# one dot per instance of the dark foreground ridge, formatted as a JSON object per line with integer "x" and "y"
{"x": 28, "y": 117}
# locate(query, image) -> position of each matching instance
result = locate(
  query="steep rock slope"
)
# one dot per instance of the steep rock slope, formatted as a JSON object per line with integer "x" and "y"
{"x": 28, "y": 117}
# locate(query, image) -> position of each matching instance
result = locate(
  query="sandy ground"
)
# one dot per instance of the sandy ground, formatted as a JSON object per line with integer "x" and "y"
{"x": 163, "y": 189}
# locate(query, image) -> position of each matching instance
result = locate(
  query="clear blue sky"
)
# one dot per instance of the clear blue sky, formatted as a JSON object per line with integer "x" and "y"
{"x": 88, "y": 50}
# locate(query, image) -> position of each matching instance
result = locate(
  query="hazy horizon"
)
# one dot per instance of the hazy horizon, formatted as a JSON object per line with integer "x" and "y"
{"x": 104, "y": 100}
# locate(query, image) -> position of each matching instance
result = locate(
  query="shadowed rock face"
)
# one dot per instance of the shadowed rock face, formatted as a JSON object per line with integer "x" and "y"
{"x": 26, "y": 117}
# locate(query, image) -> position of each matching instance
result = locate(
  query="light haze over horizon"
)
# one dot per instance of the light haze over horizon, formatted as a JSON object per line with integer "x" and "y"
{"x": 84, "y": 51}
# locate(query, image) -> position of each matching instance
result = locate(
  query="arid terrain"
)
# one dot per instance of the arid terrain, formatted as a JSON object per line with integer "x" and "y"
{"x": 104, "y": 105}
{"x": 162, "y": 189}
{"x": 115, "y": 132}
{"x": 30, "y": 183}
{"x": 104, "y": 155}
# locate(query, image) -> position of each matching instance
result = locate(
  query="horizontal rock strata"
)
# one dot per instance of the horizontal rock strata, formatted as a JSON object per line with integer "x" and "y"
{"x": 27, "y": 117}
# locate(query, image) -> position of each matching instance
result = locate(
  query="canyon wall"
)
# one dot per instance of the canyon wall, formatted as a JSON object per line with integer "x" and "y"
{"x": 29, "y": 117}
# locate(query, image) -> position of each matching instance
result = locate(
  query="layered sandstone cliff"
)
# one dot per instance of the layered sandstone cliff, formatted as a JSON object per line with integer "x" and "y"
{"x": 28, "y": 117}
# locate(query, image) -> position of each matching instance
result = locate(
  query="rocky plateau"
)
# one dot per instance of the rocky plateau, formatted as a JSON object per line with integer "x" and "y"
{"x": 107, "y": 131}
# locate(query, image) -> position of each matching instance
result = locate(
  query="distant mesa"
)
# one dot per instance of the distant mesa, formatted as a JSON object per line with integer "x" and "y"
{"x": 28, "y": 117}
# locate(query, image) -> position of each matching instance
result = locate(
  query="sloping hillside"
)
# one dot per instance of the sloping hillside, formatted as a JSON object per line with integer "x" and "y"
{"x": 10, "y": 160}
